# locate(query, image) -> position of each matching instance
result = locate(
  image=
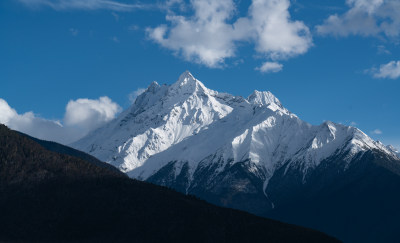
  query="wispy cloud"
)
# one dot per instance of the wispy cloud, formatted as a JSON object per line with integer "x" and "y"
{"x": 61, "y": 5}
{"x": 270, "y": 67}
{"x": 389, "y": 70}
{"x": 376, "y": 132}
{"x": 382, "y": 50}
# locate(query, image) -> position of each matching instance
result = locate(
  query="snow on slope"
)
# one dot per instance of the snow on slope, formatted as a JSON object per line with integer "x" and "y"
{"x": 393, "y": 150}
{"x": 267, "y": 137}
{"x": 160, "y": 117}
{"x": 186, "y": 122}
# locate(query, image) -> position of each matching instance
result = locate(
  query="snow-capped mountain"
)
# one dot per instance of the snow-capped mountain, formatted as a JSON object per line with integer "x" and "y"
{"x": 187, "y": 122}
{"x": 160, "y": 117}
{"x": 247, "y": 153}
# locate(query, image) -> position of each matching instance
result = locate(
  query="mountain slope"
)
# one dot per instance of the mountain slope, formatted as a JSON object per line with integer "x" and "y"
{"x": 61, "y": 149}
{"x": 245, "y": 153}
{"x": 357, "y": 204}
{"x": 51, "y": 197}
{"x": 161, "y": 117}
{"x": 393, "y": 150}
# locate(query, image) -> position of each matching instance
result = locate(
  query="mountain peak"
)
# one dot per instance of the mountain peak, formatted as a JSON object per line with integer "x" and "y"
{"x": 186, "y": 78}
{"x": 263, "y": 98}
{"x": 187, "y": 83}
{"x": 186, "y": 74}
{"x": 153, "y": 86}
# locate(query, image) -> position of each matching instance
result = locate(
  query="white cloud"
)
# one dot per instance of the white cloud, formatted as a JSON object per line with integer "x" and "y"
{"x": 213, "y": 32}
{"x": 61, "y": 5}
{"x": 204, "y": 38}
{"x": 133, "y": 95}
{"x": 276, "y": 35}
{"x": 35, "y": 126}
{"x": 87, "y": 114}
{"x": 6, "y": 112}
{"x": 211, "y": 35}
{"x": 367, "y": 5}
{"x": 366, "y": 18}
{"x": 389, "y": 70}
{"x": 272, "y": 67}
{"x": 82, "y": 116}
{"x": 377, "y": 132}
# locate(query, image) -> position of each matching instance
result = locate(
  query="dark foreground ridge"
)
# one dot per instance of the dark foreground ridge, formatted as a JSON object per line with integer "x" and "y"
{"x": 49, "y": 196}
{"x": 58, "y": 148}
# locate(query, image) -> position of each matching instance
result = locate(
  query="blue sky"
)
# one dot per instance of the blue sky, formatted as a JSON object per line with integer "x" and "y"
{"x": 325, "y": 60}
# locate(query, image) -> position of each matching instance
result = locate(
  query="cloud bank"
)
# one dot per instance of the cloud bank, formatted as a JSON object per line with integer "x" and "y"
{"x": 81, "y": 117}
{"x": 211, "y": 34}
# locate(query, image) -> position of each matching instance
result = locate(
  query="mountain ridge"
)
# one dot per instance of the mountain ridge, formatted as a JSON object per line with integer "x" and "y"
{"x": 177, "y": 112}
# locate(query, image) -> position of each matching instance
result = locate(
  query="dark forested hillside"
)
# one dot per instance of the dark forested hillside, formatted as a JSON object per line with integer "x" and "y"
{"x": 56, "y": 147}
{"x": 48, "y": 196}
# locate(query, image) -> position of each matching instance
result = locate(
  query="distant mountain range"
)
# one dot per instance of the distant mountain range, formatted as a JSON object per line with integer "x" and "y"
{"x": 48, "y": 196}
{"x": 255, "y": 155}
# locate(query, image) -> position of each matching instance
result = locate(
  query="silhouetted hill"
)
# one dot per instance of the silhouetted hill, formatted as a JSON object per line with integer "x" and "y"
{"x": 48, "y": 196}
{"x": 59, "y": 148}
